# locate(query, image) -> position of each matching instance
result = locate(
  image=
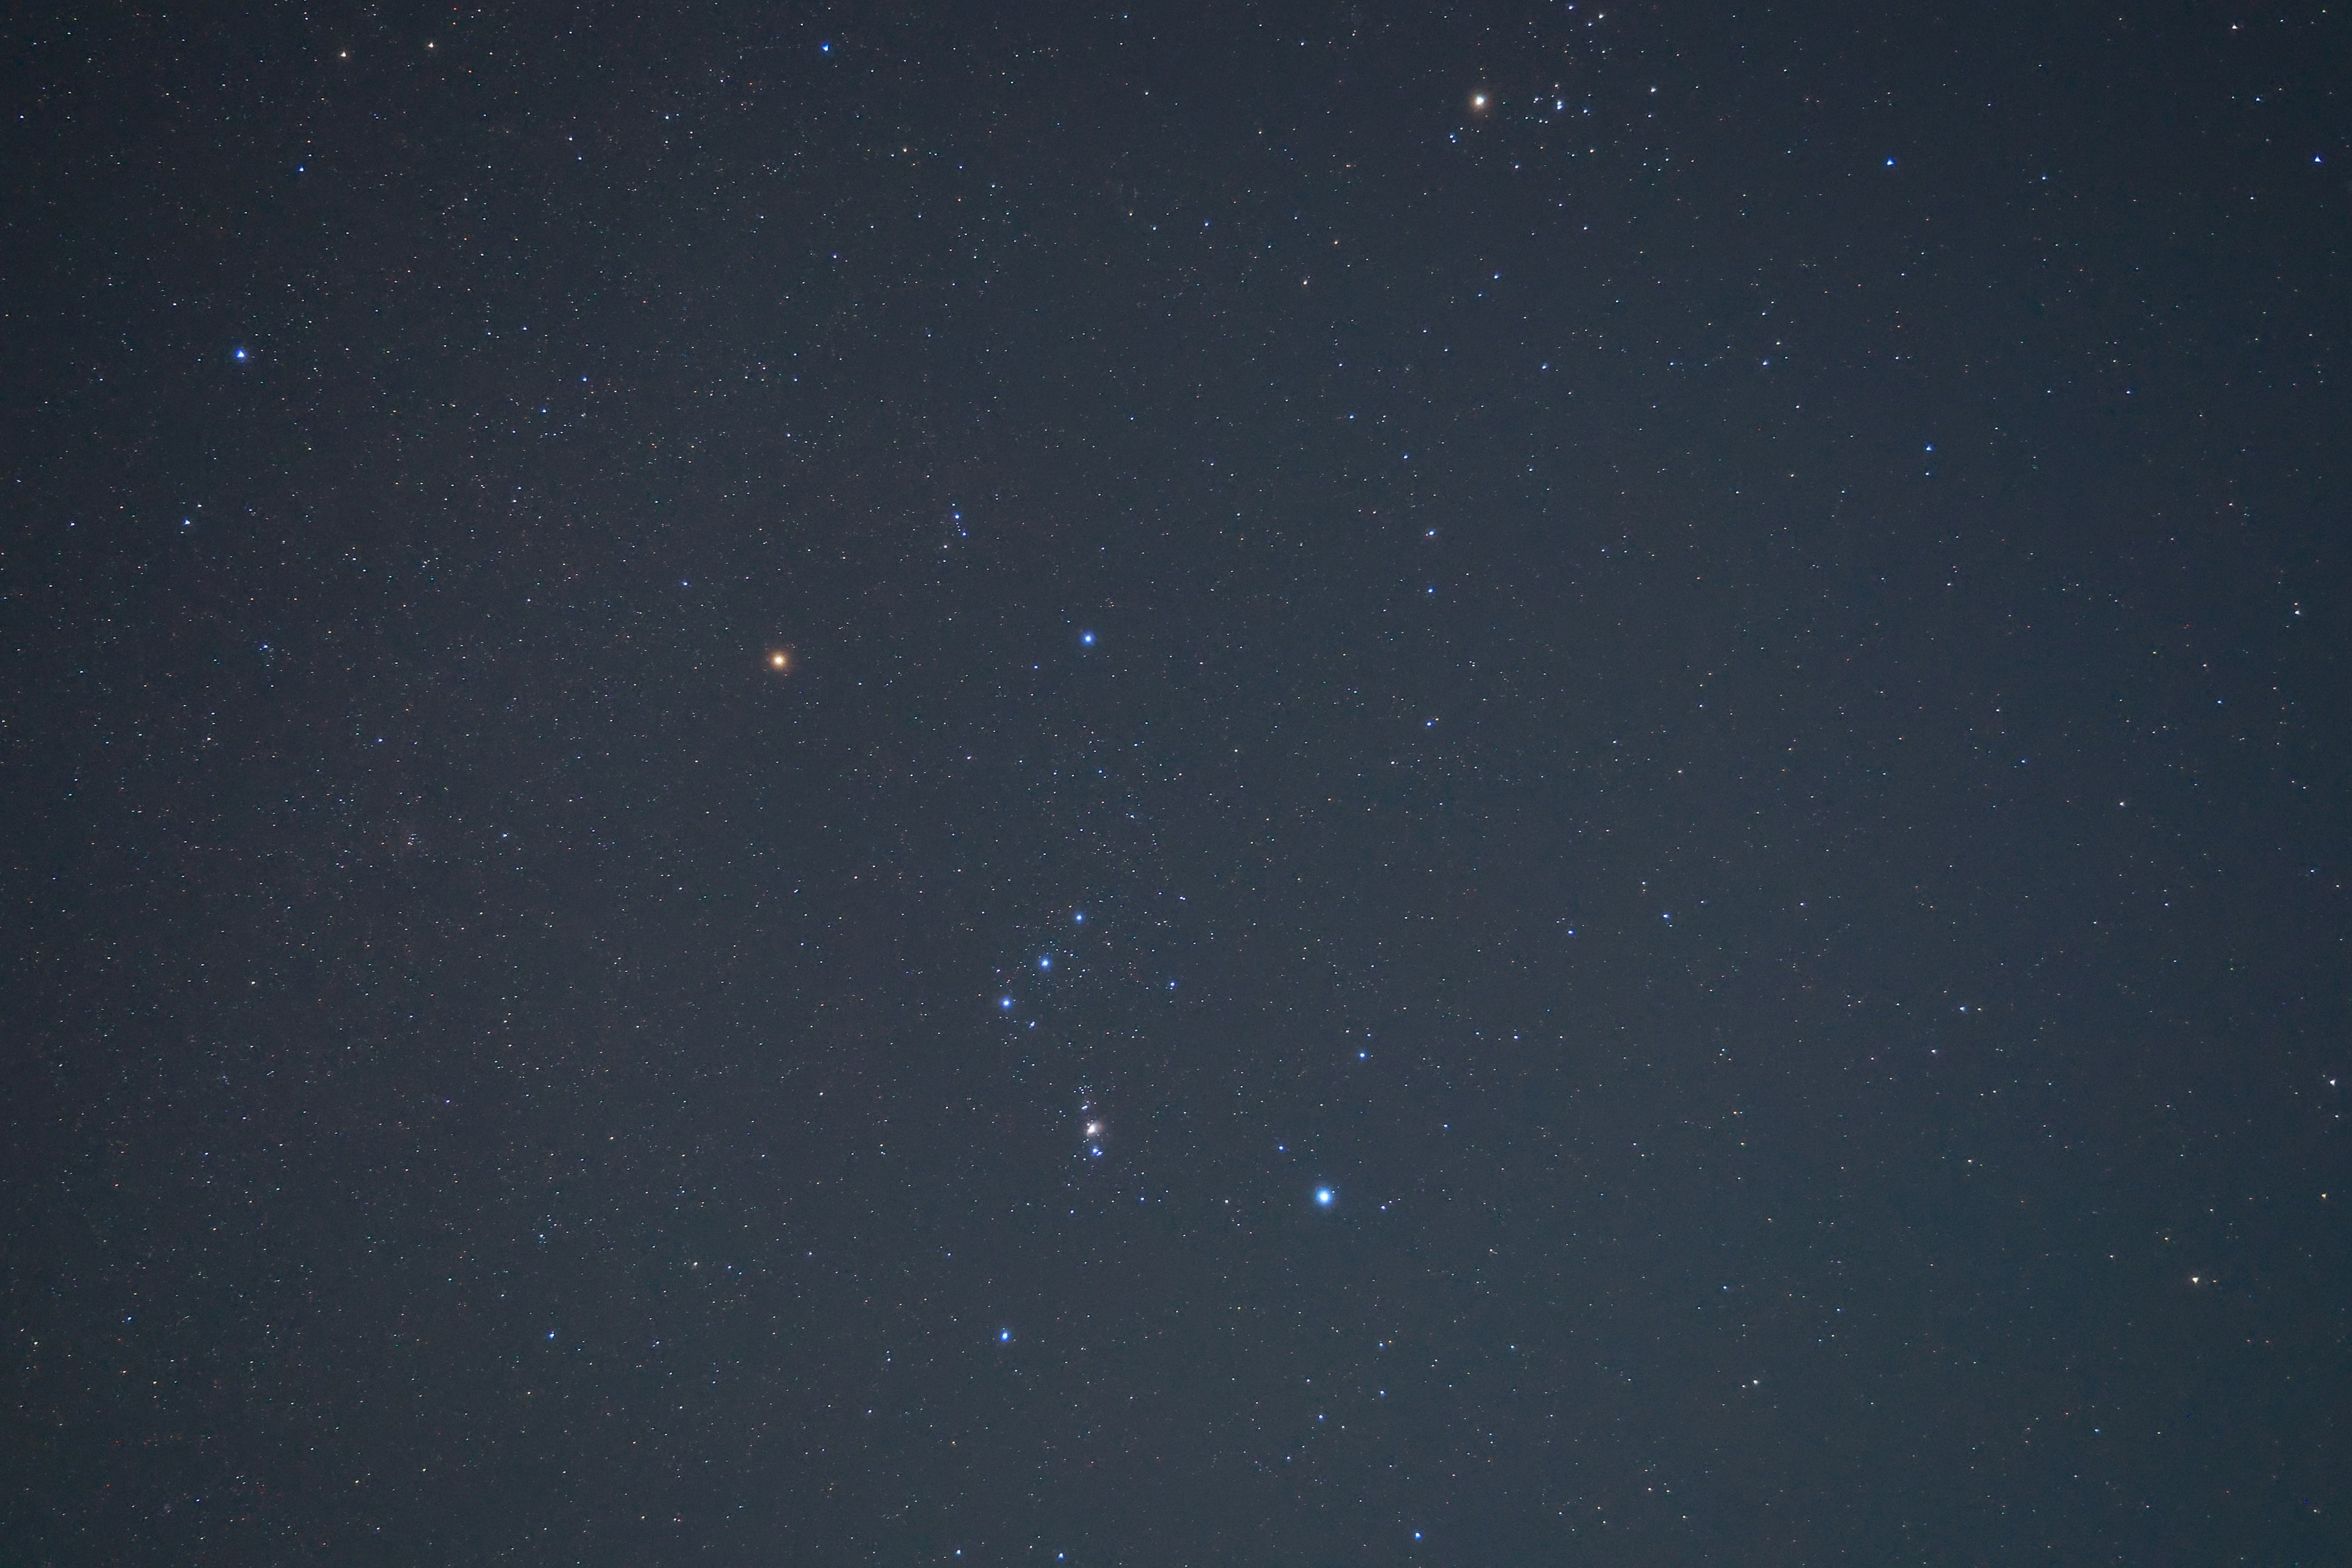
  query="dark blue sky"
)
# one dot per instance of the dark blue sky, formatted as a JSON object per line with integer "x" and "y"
{"x": 1550, "y": 784}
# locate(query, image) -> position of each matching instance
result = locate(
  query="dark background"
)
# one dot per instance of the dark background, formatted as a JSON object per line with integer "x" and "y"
{"x": 1716, "y": 694}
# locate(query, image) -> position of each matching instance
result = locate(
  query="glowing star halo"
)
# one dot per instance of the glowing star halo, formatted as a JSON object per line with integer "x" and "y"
{"x": 780, "y": 659}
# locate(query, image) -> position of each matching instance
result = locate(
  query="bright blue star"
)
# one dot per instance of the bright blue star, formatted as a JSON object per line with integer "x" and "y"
{"x": 1006, "y": 1002}
{"x": 1047, "y": 962}
{"x": 1087, "y": 638}
{"x": 236, "y": 353}
{"x": 1004, "y": 1336}
{"x": 1323, "y": 1196}
{"x": 1080, "y": 917}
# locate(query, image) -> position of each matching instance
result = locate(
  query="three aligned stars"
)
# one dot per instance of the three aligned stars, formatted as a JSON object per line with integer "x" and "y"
{"x": 1093, "y": 1127}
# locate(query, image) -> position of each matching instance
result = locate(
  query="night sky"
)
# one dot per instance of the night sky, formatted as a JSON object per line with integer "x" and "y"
{"x": 1316, "y": 785}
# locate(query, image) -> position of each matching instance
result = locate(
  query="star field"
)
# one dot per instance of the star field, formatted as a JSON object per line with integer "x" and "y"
{"x": 1251, "y": 786}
